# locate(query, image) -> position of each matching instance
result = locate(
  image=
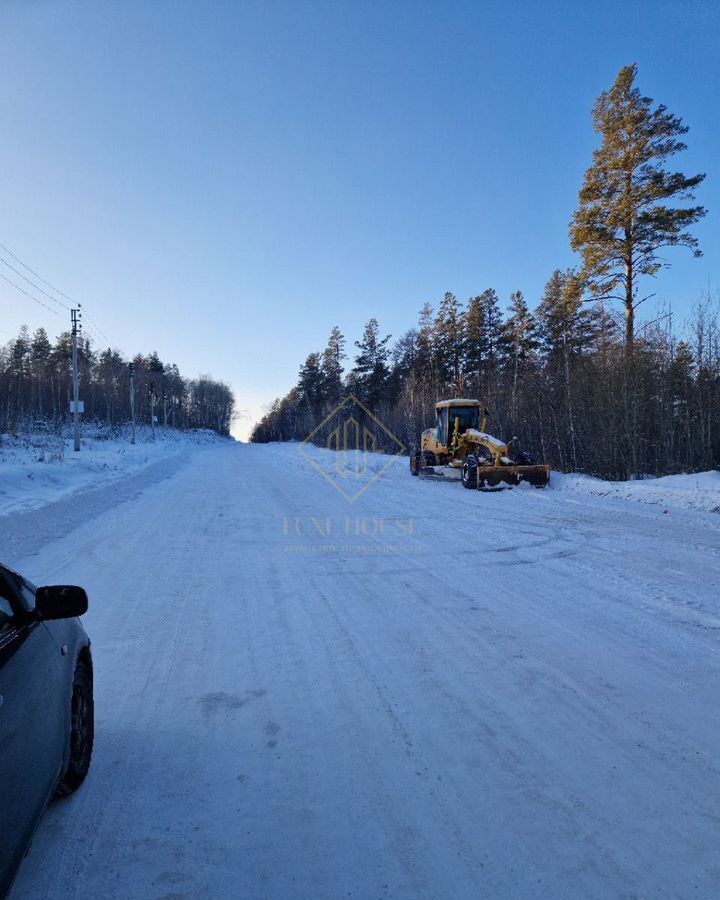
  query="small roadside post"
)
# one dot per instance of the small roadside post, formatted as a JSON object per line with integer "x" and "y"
{"x": 152, "y": 408}
{"x": 75, "y": 316}
{"x": 131, "y": 367}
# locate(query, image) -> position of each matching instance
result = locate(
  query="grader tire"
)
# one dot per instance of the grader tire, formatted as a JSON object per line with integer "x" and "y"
{"x": 469, "y": 476}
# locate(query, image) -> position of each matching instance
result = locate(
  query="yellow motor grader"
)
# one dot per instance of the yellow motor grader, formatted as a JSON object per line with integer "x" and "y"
{"x": 460, "y": 443}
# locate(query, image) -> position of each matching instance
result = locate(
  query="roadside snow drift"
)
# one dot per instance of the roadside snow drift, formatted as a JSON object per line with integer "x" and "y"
{"x": 37, "y": 469}
{"x": 698, "y": 491}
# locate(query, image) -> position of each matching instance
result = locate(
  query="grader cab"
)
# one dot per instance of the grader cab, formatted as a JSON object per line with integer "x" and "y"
{"x": 460, "y": 443}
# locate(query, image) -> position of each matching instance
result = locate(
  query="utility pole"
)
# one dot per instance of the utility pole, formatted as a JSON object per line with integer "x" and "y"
{"x": 164, "y": 409}
{"x": 152, "y": 408}
{"x": 75, "y": 316}
{"x": 132, "y": 401}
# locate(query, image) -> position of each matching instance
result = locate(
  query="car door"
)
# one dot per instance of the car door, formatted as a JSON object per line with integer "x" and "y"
{"x": 30, "y": 747}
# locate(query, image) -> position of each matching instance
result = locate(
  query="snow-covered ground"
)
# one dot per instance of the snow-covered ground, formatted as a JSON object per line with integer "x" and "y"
{"x": 36, "y": 469}
{"x": 423, "y": 693}
{"x": 698, "y": 491}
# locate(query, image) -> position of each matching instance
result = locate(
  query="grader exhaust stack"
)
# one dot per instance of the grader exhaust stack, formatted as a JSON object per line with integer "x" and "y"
{"x": 460, "y": 443}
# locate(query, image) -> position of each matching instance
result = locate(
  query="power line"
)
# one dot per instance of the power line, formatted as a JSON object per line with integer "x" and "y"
{"x": 97, "y": 340}
{"x": 23, "y": 291}
{"x": 32, "y": 283}
{"x": 39, "y": 277}
{"x": 98, "y": 329}
{"x": 101, "y": 337}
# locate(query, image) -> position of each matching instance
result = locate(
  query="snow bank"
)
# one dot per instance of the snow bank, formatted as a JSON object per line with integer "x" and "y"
{"x": 699, "y": 491}
{"x": 40, "y": 467}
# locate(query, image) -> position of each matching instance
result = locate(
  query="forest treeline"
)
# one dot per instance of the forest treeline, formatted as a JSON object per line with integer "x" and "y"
{"x": 557, "y": 377}
{"x": 581, "y": 388}
{"x": 36, "y": 386}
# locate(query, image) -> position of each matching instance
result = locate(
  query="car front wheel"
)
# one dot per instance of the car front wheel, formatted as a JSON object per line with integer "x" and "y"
{"x": 82, "y": 730}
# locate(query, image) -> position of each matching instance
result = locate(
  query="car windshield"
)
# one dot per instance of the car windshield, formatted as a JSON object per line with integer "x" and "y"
{"x": 12, "y": 584}
{"x": 468, "y": 416}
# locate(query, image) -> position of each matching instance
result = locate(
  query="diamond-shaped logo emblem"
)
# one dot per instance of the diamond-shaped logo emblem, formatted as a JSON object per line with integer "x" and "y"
{"x": 346, "y": 448}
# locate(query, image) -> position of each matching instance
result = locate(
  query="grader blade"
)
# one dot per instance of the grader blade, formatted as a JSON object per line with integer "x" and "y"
{"x": 539, "y": 476}
{"x": 439, "y": 472}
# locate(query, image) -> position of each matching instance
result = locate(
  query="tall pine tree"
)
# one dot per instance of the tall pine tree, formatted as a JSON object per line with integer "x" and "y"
{"x": 624, "y": 219}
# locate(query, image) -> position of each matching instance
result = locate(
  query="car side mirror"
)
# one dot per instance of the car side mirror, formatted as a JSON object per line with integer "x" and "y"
{"x": 60, "y": 601}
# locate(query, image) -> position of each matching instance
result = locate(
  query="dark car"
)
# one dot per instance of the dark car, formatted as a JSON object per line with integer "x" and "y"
{"x": 46, "y": 707}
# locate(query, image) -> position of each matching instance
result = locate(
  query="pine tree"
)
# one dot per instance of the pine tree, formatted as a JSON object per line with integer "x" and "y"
{"x": 40, "y": 356}
{"x": 112, "y": 378}
{"x": 483, "y": 322}
{"x": 40, "y": 348}
{"x": 310, "y": 383}
{"x": 518, "y": 341}
{"x": 425, "y": 365}
{"x": 332, "y": 366}
{"x": 449, "y": 341}
{"x": 681, "y": 377}
{"x": 492, "y": 323}
{"x": 623, "y": 220}
{"x": 154, "y": 364}
{"x": 405, "y": 354}
{"x": 566, "y": 327}
{"x": 18, "y": 370}
{"x": 681, "y": 389}
{"x": 519, "y": 333}
{"x": 565, "y": 323}
{"x": 20, "y": 353}
{"x": 370, "y": 372}
{"x": 474, "y": 348}
{"x": 405, "y": 370}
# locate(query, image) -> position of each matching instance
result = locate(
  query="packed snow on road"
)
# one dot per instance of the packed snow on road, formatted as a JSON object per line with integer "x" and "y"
{"x": 316, "y": 685}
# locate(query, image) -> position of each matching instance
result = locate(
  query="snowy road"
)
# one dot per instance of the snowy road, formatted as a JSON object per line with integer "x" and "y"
{"x": 509, "y": 695}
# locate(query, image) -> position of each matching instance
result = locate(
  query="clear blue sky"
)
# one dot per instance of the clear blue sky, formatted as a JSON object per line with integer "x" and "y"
{"x": 223, "y": 182}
